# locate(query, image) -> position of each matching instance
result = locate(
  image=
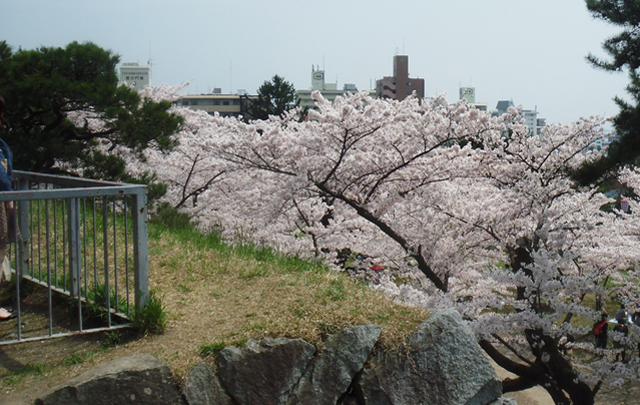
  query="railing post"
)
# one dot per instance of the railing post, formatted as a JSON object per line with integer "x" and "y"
{"x": 24, "y": 250}
{"x": 73, "y": 222}
{"x": 140, "y": 249}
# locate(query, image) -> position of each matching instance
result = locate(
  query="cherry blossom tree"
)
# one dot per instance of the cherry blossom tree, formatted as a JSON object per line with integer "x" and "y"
{"x": 462, "y": 209}
{"x": 63, "y": 102}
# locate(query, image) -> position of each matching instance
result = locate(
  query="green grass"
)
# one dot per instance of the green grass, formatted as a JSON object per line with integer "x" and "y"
{"x": 214, "y": 348}
{"x": 210, "y": 295}
{"x": 184, "y": 288}
{"x": 79, "y": 358}
{"x": 25, "y": 371}
{"x": 336, "y": 291}
{"x": 152, "y": 318}
{"x": 211, "y": 349}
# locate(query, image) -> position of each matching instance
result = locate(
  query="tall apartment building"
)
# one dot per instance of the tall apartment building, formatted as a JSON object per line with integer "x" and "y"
{"x": 136, "y": 76}
{"x": 400, "y": 85}
{"x": 531, "y": 120}
{"x": 469, "y": 95}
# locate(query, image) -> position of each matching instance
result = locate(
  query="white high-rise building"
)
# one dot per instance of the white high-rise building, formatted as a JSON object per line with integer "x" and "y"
{"x": 328, "y": 90}
{"x": 531, "y": 120}
{"x": 469, "y": 95}
{"x": 134, "y": 75}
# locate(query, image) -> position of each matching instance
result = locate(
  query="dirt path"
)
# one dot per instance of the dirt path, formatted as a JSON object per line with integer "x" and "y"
{"x": 628, "y": 395}
{"x": 532, "y": 396}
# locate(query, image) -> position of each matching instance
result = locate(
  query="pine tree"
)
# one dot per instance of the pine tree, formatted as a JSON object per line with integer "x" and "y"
{"x": 624, "y": 50}
{"x": 275, "y": 97}
{"x": 66, "y": 111}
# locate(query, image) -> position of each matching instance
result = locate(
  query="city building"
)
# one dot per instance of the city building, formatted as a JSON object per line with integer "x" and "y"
{"x": 469, "y": 95}
{"x": 227, "y": 105}
{"x": 531, "y": 120}
{"x": 400, "y": 85}
{"x": 604, "y": 142}
{"x": 328, "y": 90}
{"x": 134, "y": 75}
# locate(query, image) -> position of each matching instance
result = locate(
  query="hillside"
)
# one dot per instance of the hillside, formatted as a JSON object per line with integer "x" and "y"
{"x": 214, "y": 295}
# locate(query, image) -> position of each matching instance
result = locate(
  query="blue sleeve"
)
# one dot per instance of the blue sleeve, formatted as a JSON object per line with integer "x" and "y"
{"x": 6, "y": 176}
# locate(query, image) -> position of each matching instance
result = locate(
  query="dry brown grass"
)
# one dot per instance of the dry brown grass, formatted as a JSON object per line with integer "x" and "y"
{"x": 217, "y": 295}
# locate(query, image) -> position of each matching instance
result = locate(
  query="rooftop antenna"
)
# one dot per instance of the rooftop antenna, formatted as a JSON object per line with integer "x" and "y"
{"x": 230, "y": 77}
{"x": 150, "y": 62}
{"x": 403, "y": 46}
{"x": 323, "y": 62}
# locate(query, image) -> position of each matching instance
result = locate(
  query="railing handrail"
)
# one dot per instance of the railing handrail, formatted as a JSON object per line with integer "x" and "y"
{"x": 63, "y": 180}
{"x": 75, "y": 187}
{"x": 73, "y": 245}
{"x": 28, "y": 195}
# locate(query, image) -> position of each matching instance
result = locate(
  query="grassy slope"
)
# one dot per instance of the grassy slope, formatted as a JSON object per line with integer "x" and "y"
{"x": 216, "y": 295}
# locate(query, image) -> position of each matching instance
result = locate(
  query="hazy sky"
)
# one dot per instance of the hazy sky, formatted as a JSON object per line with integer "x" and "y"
{"x": 529, "y": 51}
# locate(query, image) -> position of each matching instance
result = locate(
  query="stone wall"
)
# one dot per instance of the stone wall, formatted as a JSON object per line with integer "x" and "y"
{"x": 440, "y": 363}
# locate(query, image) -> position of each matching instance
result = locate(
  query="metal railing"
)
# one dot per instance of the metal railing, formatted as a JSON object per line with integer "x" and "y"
{"x": 81, "y": 260}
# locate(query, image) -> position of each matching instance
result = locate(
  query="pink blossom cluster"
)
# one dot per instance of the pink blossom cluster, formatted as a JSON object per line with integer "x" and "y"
{"x": 463, "y": 209}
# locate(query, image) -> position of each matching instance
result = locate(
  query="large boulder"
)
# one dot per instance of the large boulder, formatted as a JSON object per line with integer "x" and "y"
{"x": 265, "y": 371}
{"x": 203, "y": 388}
{"x": 331, "y": 372}
{"x": 504, "y": 401}
{"x": 441, "y": 364}
{"x": 140, "y": 379}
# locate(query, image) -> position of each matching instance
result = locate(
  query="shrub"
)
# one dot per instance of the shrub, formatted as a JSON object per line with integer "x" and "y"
{"x": 152, "y": 318}
{"x": 171, "y": 218}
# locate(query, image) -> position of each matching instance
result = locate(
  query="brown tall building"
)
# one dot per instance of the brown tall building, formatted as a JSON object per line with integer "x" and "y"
{"x": 400, "y": 85}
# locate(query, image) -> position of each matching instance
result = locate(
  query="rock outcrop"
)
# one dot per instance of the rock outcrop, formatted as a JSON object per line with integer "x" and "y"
{"x": 331, "y": 373}
{"x": 263, "y": 372}
{"x": 204, "y": 388}
{"x": 140, "y": 379}
{"x": 440, "y": 363}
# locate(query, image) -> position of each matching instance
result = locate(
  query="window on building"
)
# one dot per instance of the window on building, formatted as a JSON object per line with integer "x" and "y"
{"x": 225, "y": 102}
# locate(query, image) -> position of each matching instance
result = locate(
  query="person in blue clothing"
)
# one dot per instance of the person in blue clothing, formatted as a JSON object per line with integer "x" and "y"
{"x": 6, "y": 209}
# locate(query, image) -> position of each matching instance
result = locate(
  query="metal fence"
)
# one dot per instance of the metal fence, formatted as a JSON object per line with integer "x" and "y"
{"x": 80, "y": 263}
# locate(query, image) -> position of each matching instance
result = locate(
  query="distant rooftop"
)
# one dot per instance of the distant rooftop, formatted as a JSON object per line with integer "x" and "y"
{"x": 503, "y": 105}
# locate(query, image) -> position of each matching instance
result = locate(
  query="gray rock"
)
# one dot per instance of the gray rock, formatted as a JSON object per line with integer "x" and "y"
{"x": 263, "y": 372}
{"x": 441, "y": 363}
{"x": 203, "y": 388}
{"x": 504, "y": 401}
{"x": 331, "y": 373}
{"x": 140, "y": 379}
